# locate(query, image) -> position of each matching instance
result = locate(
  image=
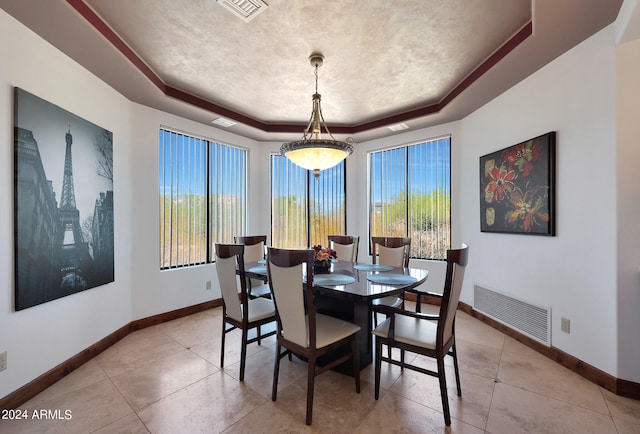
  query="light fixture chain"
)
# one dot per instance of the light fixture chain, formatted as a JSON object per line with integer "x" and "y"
{"x": 313, "y": 152}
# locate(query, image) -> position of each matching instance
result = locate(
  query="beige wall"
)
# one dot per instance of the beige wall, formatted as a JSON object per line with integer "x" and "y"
{"x": 628, "y": 200}
{"x": 573, "y": 273}
{"x": 587, "y": 273}
{"x": 41, "y": 337}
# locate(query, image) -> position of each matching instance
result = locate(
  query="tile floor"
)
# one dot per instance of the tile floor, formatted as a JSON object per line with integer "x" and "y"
{"x": 167, "y": 379}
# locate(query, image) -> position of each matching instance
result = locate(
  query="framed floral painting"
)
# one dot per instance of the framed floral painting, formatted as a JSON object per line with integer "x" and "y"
{"x": 517, "y": 188}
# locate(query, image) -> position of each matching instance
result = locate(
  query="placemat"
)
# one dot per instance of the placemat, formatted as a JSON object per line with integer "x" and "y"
{"x": 259, "y": 270}
{"x": 333, "y": 279}
{"x": 262, "y": 261}
{"x": 372, "y": 267}
{"x": 391, "y": 279}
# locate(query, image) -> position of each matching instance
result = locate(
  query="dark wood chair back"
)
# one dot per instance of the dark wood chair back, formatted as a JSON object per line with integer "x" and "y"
{"x": 456, "y": 264}
{"x": 229, "y": 262}
{"x": 394, "y": 251}
{"x": 343, "y": 244}
{"x": 254, "y": 246}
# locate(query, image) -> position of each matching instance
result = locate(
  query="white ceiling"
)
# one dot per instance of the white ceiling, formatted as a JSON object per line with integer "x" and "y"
{"x": 421, "y": 62}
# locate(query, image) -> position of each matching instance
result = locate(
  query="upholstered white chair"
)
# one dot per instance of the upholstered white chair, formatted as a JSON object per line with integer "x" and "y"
{"x": 427, "y": 335}
{"x": 238, "y": 309}
{"x": 301, "y": 330}
{"x": 346, "y": 246}
{"x": 254, "y": 250}
{"x": 394, "y": 252}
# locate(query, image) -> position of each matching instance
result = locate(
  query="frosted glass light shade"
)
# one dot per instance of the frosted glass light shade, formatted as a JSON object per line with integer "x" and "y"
{"x": 316, "y": 154}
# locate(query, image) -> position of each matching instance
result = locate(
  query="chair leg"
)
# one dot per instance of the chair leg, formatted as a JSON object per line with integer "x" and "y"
{"x": 311, "y": 378}
{"x": 455, "y": 367}
{"x": 388, "y": 347}
{"x": 402, "y": 351}
{"x": 418, "y": 303}
{"x": 243, "y": 353}
{"x": 443, "y": 391}
{"x": 356, "y": 362}
{"x": 378, "y": 366}
{"x": 276, "y": 371}
{"x": 259, "y": 334}
{"x": 224, "y": 333}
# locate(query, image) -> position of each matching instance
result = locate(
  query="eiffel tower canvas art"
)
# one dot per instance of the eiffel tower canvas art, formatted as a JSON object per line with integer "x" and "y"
{"x": 64, "y": 231}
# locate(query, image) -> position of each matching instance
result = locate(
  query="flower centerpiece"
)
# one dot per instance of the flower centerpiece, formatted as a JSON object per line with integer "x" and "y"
{"x": 322, "y": 258}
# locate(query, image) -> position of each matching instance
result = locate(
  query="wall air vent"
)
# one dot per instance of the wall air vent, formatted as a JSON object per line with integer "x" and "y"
{"x": 246, "y": 10}
{"x": 534, "y": 321}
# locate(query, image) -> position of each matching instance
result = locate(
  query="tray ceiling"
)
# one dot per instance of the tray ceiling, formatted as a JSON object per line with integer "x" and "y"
{"x": 386, "y": 62}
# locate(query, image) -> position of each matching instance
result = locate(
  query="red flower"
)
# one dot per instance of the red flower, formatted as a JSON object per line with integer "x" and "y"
{"x": 523, "y": 155}
{"x": 500, "y": 183}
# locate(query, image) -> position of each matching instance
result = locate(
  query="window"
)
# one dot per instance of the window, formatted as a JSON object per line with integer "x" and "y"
{"x": 305, "y": 209}
{"x": 202, "y": 197}
{"x": 410, "y": 196}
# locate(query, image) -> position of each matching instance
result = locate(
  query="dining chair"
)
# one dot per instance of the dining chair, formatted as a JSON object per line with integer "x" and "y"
{"x": 238, "y": 309}
{"x": 427, "y": 335}
{"x": 254, "y": 249}
{"x": 300, "y": 329}
{"x": 346, "y": 246}
{"x": 394, "y": 252}
{"x": 419, "y": 293}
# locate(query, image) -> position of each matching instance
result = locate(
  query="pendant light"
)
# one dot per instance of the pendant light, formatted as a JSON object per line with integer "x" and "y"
{"x": 313, "y": 152}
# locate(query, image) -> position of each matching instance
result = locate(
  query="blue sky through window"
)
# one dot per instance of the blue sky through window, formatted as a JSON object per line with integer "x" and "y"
{"x": 428, "y": 168}
{"x": 183, "y": 166}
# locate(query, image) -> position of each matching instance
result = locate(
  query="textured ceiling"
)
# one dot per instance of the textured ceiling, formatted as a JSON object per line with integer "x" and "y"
{"x": 381, "y": 57}
{"x": 419, "y": 62}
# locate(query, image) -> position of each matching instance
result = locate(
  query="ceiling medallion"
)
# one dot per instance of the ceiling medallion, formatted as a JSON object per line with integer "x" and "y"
{"x": 313, "y": 152}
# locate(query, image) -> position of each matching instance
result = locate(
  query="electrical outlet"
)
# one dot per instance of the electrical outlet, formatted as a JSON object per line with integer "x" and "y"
{"x": 208, "y": 285}
{"x": 3, "y": 361}
{"x": 565, "y": 325}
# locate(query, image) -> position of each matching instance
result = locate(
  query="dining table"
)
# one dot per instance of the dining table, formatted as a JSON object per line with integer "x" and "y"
{"x": 347, "y": 290}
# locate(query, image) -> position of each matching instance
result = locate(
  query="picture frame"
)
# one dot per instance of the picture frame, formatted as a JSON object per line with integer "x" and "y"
{"x": 63, "y": 202}
{"x": 517, "y": 188}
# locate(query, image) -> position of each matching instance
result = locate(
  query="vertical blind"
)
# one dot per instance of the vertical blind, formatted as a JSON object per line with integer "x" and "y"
{"x": 327, "y": 204}
{"x": 306, "y": 209}
{"x": 202, "y": 197}
{"x": 410, "y": 196}
{"x": 227, "y": 193}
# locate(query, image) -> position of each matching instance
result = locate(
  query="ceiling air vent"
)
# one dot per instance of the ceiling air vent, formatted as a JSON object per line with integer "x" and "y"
{"x": 223, "y": 122}
{"x": 246, "y": 10}
{"x": 398, "y": 127}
